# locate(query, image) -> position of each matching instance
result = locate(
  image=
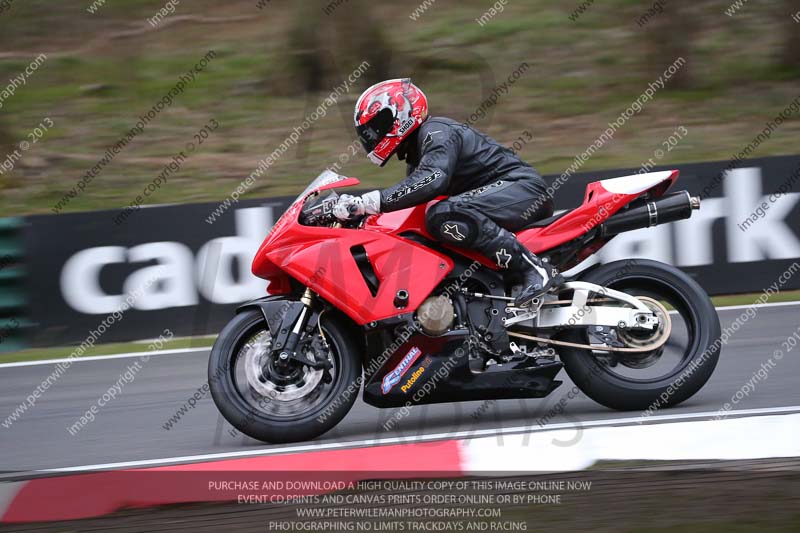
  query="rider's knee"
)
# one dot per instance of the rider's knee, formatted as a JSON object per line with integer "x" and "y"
{"x": 446, "y": 223}
{"x": 437, "y": 212}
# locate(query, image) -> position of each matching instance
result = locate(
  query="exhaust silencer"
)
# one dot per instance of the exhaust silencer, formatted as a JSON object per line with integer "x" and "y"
{"x": 672, "y": 207}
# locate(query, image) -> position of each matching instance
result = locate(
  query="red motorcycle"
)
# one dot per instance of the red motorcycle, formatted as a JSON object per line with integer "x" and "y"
{"x": 378, "y": 303}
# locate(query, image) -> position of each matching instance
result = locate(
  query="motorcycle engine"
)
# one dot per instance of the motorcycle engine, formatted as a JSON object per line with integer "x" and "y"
{"x": 436, "y": 315}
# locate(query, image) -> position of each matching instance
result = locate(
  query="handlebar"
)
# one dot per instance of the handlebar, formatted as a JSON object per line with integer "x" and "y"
{"x": 319, "y": 212}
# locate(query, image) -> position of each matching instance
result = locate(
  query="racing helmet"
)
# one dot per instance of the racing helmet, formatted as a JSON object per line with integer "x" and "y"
{"x": 386, "y": 114}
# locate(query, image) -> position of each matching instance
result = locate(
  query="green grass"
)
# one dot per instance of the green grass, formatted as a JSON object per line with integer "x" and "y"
{"x": 582, "y": 75}
{"x": 747, "y": 299}
{"x": 42, "y": 354}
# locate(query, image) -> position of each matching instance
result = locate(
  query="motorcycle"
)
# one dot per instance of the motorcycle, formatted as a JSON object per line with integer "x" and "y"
{"x": 377, "y": 304}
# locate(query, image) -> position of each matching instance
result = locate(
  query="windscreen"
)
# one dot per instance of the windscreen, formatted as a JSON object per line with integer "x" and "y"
{"x": 327, "y": 177}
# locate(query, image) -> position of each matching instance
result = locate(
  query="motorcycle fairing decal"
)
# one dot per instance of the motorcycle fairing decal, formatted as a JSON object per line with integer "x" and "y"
{"x": 393, "y": 378}
{"x": 416, "y": 374}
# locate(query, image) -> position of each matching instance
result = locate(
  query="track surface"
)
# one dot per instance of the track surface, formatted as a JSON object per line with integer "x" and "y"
{"x": 131, "y": 427}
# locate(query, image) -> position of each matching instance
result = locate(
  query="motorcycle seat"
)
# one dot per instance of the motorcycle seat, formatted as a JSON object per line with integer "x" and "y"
{"x": 545, "y": 221}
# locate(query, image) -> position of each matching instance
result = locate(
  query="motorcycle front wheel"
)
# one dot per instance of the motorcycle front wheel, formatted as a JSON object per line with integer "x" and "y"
{"x": 282, "y": 401}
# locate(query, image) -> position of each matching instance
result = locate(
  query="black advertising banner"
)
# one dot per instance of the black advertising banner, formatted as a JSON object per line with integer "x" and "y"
{"x": 745, "y": 235}
{"x": 82, "y": 267}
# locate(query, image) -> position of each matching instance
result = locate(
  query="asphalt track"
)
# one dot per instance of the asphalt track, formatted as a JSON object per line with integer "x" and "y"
{"x": 130, "y": 427}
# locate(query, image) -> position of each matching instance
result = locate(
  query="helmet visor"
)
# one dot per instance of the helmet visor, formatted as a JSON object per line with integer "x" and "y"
{"x": 373, "y": 132}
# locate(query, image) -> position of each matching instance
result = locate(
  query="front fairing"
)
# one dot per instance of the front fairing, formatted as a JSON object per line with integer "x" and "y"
{"x": 329, "y": 259}
{"x": 285, "y": 231}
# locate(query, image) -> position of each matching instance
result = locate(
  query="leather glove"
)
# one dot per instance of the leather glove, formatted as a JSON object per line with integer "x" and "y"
{"x": 350, "y": 207}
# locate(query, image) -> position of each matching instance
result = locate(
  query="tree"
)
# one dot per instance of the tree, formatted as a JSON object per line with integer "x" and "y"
{"x": 790, "y": 55}
{"x": 325, "y": 44}
{"x": 668, "y": 36}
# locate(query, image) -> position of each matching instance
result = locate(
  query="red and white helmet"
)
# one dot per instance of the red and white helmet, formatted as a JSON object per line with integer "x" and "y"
{"x": 386, "y": 114}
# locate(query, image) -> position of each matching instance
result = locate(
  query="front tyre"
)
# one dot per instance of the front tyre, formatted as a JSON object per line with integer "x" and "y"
{"x": 663, "y": 377}
{"x": 275, "y": 401}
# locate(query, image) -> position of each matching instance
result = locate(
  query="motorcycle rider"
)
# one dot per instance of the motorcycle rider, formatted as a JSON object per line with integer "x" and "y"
{"x": 492, "y": 192}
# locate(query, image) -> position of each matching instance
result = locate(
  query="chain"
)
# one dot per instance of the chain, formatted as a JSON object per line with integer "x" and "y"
{"x": 655, "y": 346}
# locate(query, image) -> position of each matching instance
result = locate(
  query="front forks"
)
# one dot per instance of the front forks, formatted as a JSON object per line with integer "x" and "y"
{"x": 290, "y": 329}
{"x": 290, "y": 346}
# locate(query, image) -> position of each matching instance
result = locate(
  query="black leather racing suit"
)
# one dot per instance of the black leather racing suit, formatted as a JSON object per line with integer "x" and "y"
{"x": 492, "y": 192}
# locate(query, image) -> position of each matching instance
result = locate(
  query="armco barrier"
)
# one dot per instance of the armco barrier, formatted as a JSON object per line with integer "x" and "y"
{"x": 83, "y": 264}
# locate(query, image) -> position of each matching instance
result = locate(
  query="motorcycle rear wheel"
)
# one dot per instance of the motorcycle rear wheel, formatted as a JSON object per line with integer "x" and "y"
{"x": 611, "y": 387}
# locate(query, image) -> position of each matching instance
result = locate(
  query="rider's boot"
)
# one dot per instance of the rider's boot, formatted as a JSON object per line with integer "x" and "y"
{"x": 537, "y": 276}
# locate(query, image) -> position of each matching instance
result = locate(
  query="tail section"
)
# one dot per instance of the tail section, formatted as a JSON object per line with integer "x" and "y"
{"x": 601, "y": 201}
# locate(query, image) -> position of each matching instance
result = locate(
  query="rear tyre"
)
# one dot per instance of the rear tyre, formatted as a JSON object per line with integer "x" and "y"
{"x": 697, "y": 355}
{"x": 295, "y": 405}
